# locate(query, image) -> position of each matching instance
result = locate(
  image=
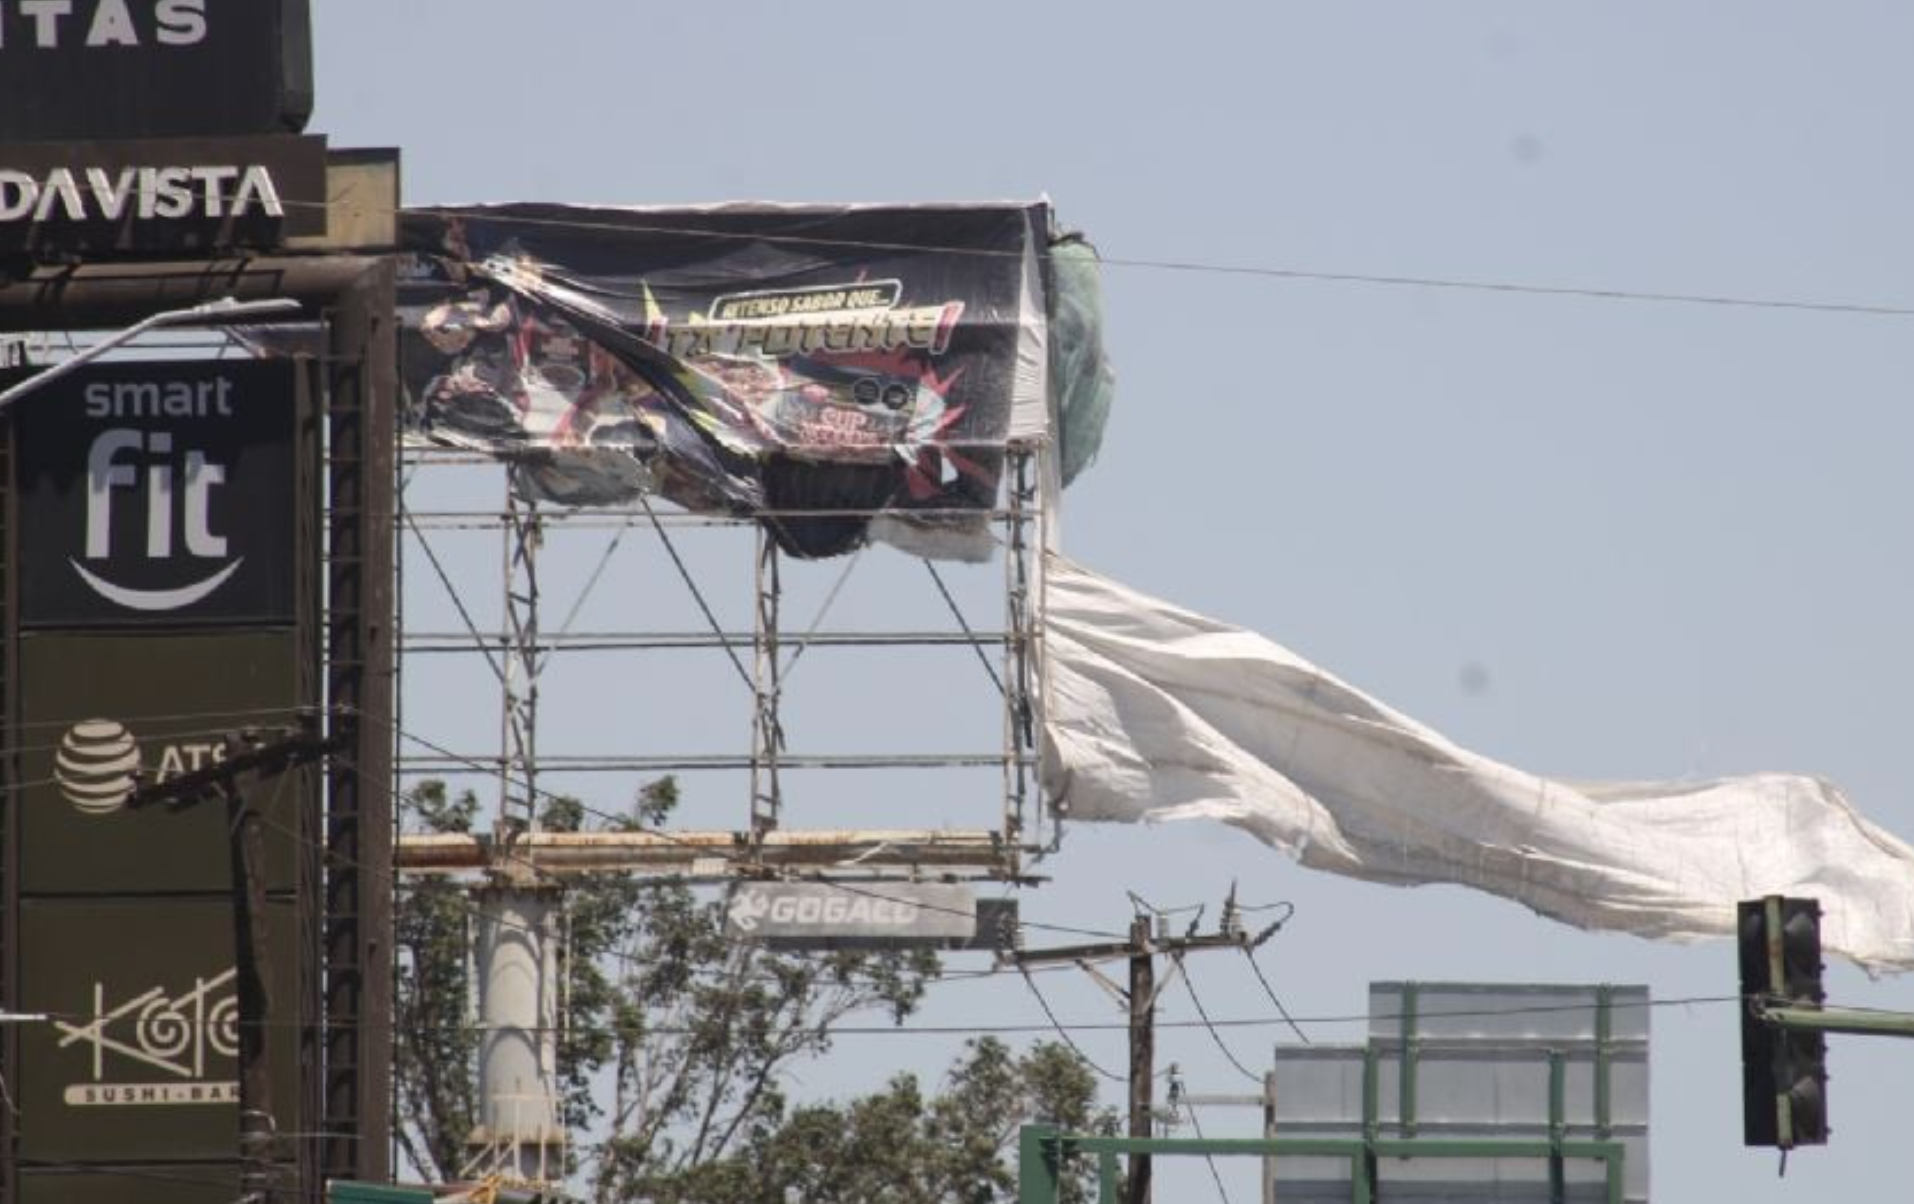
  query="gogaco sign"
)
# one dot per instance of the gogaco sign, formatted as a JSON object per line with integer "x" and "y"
{"x": 835, "y": 915}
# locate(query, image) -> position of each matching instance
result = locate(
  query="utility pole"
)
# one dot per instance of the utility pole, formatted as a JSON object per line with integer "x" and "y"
{"x": 1145, "y": 942}
{"x": 1142, "y": 1051}
{"x": 245, "y": 755}
{"x": 252, "y": 971}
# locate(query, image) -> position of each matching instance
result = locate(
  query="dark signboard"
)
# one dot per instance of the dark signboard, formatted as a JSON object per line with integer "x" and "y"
{"x": 864, "y": 914}
{"x": 153, "y": 68}
{"x": 139, "y": 1061}
{"x": 861, "y": 366}
{"x": 182, "y": 195}
{"x": 158, "y": 492}
{"x": 99, "y": 712}
{"x": 151, "y": 1184}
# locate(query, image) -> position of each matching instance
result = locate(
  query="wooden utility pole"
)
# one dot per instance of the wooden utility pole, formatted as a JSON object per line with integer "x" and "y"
{"x": 1141, "y": 950}
{"x": 1142, "y": 1051}
{"x": 251, "y": 958}
{"x": 252, "y": 971}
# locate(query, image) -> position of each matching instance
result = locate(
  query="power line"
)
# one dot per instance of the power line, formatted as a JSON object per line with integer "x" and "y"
{"x": 1216, "y": 267}
{"x": 1215, "y": 1175}
{"x": 968, "y": 1030}
{"x": 1271, "y": 992}
{"x": 1189, "y": 983}
{"x": 1063, "y": 1032}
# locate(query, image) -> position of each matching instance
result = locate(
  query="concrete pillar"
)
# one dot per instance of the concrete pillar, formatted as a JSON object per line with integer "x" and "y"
{"x": 518, "y": 958}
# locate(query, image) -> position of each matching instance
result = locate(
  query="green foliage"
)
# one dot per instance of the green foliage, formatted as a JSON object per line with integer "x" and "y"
{"x": 677, "y": 1043}
{"x": 899, "y": 1147}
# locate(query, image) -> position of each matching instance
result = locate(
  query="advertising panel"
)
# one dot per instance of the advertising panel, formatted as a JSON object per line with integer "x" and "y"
{"x": 100, "y": 713}
{"x": 813, "y": 915}
{"x": 153, "y": 68}
{"x": 745, "y": 359}
{"x": 158, "y": 493}
{"x": 139, "y": 1061}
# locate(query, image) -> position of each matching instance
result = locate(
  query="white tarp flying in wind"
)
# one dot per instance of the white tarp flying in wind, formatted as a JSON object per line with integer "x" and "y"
{"x": 1155, "y": 713}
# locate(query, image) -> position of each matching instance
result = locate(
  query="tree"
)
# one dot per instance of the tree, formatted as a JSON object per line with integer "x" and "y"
{"x": 678, "y": 1042}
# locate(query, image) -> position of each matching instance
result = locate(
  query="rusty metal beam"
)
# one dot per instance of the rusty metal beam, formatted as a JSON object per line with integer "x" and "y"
{"x": 678, "y": 852}
{"x": 100, "y": 296}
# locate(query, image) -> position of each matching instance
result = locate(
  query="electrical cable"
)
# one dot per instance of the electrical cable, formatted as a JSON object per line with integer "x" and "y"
{"x": 1054, "y": 1025}
{"x": 1215, "y": 1174}
{"x": 1189, "y": 984}
{"x": 1392, "y": 280}
{"x": 1271, "y": 992}
{"x": 1064, "y": 1033}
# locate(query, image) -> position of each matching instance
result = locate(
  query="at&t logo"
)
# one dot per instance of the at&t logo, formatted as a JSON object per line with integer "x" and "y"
{"x": 97, "y": 766}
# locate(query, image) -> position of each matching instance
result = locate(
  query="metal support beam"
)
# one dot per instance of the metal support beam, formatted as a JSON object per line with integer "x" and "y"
{"x": 1841, "y": 1020}
{"x": 767, "y": 729}
{"x": 361, "y": 437}
{"x": 684, "y": 852}
{"x": 518, "y": 718}
{"x": 1019, "y": 635}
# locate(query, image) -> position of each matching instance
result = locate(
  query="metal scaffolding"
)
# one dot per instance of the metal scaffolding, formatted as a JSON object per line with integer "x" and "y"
{"x": 522, "y": 646}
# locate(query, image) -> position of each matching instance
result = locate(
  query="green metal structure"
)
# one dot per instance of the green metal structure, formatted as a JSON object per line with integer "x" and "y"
{"x": 1043, "y": 1152}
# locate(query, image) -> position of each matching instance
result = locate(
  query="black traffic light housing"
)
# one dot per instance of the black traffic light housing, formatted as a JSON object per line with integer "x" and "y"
{"x": 1784, "y": 1076}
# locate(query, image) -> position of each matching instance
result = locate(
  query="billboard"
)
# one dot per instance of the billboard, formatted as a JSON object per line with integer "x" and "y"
{"x": 159, "y": 492}
{"x": 154, "y": 68}
{"x": 100, "y": 713}
{"x": 139, "y": 1062}
{"x": 773, "y": 361}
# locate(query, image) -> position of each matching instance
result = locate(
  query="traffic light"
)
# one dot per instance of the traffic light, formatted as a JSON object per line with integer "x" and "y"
{"x": 1784, "y": 1075}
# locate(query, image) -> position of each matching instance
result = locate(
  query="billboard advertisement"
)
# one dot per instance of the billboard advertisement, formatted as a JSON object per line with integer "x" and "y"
{"x": 139, "y": 1061}
{"x": 159, "y": 493}
{"x": 775, "y": 361}
{"x": 100, "y": 713}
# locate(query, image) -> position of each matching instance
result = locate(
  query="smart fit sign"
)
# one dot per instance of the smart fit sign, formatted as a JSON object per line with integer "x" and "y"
{"x": 159, "y": 493}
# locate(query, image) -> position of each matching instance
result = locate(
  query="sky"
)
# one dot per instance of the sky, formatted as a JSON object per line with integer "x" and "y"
{"x": 1591, "y": 537}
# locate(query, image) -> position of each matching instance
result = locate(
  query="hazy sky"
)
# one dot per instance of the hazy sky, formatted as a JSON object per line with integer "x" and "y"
{"x": 1588, "y": 537}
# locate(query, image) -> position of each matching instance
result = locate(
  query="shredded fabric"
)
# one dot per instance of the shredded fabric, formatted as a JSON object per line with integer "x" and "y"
{"x": 1152, "y": 712}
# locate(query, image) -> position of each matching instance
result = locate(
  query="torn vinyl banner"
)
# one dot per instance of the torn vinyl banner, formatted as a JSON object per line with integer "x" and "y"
{"x": 841, "y": 373}
{"x": 1153, "y": 712}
